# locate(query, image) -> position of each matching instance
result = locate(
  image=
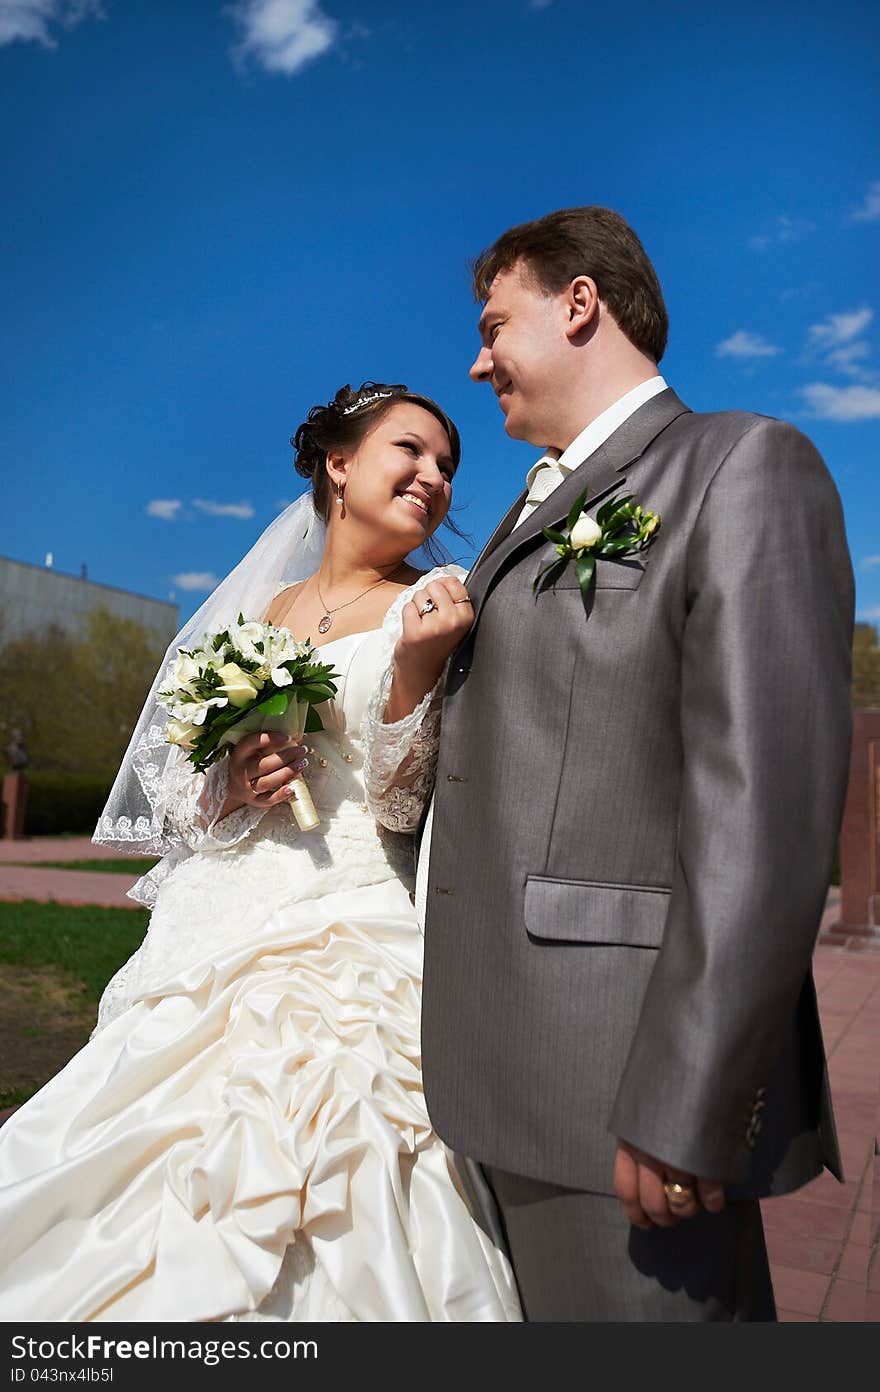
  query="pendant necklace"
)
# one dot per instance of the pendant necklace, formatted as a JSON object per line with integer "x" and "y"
{"x": 327, "y": 621}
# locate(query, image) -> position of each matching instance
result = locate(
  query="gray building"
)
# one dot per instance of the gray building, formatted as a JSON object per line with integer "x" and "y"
{"x": 33, "y": 597}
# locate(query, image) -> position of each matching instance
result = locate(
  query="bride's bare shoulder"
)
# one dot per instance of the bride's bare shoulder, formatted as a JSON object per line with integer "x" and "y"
{"x": 282, "y": 602}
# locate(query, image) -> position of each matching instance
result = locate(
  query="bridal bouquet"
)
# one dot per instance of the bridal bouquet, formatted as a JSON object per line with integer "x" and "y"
{"x": 251, "y": 676}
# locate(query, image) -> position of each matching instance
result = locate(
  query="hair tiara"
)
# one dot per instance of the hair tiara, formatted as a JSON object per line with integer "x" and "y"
{"x": 366, "y": 400}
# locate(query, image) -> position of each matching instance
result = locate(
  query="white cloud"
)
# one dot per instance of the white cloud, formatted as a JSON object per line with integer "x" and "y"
{"x": 196, "y": 580}
{"x": 870, "y": 209}
{"x": 166, "y": 508}
{"x": 838, "y": 329}
{"x": 869, "y": 615}
{"x": 743, "y": 344}
{"x": 784, "y": 229}
{"x": 842, "y": 403}
{"x": 242, "y": 510}
{"x": 849, "y": 358}
{"x": 868, "y": 562}
{"x": 283, "y": 35}
{"x": 30, "y": 20}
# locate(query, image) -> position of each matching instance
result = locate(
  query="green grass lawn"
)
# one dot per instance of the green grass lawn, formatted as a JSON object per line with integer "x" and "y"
{"x": 89, "y": 943}
{"x": 127, "y": 865}
{"x": 55, "y": 961}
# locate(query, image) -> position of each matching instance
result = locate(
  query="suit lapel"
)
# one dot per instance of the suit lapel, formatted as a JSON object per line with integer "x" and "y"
{"x": 501, "y": 532}
{"x": 600, "y": 473}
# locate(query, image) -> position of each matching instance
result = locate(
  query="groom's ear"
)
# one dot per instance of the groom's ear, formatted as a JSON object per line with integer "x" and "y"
{"x": 582, "y": 305}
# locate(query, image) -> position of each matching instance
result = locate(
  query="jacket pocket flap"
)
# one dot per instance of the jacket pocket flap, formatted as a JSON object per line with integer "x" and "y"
{"x": 610, "y": 575}
{"x": 584, "y": 911}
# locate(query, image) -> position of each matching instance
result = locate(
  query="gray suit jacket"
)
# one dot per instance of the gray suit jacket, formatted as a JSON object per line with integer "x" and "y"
{"x": 636, "y": 810}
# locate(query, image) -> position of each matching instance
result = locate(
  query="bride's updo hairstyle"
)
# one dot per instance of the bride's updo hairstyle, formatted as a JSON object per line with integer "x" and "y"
{"x": 344, "y": 422}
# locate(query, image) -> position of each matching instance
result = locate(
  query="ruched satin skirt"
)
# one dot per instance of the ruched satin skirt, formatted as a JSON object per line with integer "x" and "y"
{"x": 248, "y": 1139}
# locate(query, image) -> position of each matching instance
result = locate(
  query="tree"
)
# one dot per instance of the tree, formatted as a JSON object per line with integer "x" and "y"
{"x": 76, "y": 697}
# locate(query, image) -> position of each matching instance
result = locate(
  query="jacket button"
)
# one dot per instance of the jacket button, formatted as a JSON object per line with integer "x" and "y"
{"x": 439, "y": 890}
{"x": 454, "y": 778}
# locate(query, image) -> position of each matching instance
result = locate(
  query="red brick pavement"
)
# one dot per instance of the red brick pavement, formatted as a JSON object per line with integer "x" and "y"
{"x": 28, "y": 881}
{"x": 824, "y": 1241}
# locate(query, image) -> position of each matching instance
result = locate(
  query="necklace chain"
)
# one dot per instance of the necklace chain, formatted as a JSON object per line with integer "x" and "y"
{"x": 327, "y": 621}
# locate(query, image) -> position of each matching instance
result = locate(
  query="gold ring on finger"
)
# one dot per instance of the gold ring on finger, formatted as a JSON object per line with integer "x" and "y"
{"x": 678, "y": 1195}
{"x": 466, "y": 600}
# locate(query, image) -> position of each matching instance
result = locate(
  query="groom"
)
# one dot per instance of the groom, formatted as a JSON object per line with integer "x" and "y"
{"x": 637, "y": 801}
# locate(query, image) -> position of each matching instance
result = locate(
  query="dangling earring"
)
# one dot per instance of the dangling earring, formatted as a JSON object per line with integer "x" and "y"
{"x": 338, "y": 498}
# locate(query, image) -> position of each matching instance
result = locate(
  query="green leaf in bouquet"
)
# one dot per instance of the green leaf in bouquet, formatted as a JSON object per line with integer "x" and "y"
{"x": 214, "y": 731}
{"x": 276, "y": 704}
{"x": 313, "y": 694}
{"x": 577, "y": 508}
{"x": 313, "y": 723}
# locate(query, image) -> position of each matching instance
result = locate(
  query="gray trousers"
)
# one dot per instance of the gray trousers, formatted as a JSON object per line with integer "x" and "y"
{"x": 577, "y": 1258}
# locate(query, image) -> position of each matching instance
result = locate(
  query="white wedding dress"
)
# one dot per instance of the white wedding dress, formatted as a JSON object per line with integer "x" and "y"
{"x": 245, "y": 1136}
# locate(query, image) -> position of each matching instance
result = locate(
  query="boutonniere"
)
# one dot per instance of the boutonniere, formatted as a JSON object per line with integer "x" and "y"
{"x": 620, "y": 528}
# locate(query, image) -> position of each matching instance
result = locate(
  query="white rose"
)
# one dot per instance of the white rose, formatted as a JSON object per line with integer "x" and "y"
{"x": 186, "y": 671}
{"x": 281, "y": 676}
{"x": 181, "y": 732}
{"x": 240, "y": 687}
{"x": 585, "y": 533}
{"x": 244, "y": 638}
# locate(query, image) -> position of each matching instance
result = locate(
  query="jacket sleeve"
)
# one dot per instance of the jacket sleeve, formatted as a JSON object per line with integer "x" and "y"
{"x": 765, "y": 720}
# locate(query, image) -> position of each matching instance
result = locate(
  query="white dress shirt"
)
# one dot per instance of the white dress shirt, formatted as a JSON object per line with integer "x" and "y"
{"x": 546, "y": 474}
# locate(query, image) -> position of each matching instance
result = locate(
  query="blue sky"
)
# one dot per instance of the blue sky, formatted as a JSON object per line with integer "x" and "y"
{"x": 219, "y": 213}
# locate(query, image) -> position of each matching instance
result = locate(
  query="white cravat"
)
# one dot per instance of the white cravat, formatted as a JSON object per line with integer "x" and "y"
{"x": 546, "y": 474}
{"x": 542, "y": 478}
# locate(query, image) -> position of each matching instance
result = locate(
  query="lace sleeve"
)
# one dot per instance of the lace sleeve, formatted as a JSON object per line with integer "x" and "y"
{"x": 194, "y": 803}
{"x": 400, "y": 758}
{"x": 185, "y": 809}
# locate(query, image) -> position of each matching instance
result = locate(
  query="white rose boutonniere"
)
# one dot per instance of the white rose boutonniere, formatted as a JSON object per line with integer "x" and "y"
{"x": 620, "y": 528}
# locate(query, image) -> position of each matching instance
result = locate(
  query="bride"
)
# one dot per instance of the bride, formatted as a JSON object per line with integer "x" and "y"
{"x": 245, "y": 1136}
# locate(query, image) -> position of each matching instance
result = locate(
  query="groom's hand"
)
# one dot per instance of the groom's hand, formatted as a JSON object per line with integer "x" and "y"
{"x": 645, "y": 1187}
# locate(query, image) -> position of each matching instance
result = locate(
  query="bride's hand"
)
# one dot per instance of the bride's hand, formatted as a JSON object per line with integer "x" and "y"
{"x": 261, "y": 769}
{"x": 434, "y": 623}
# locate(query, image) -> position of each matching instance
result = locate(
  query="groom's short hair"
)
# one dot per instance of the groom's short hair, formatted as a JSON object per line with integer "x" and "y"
{"x": 585, "y": 241}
